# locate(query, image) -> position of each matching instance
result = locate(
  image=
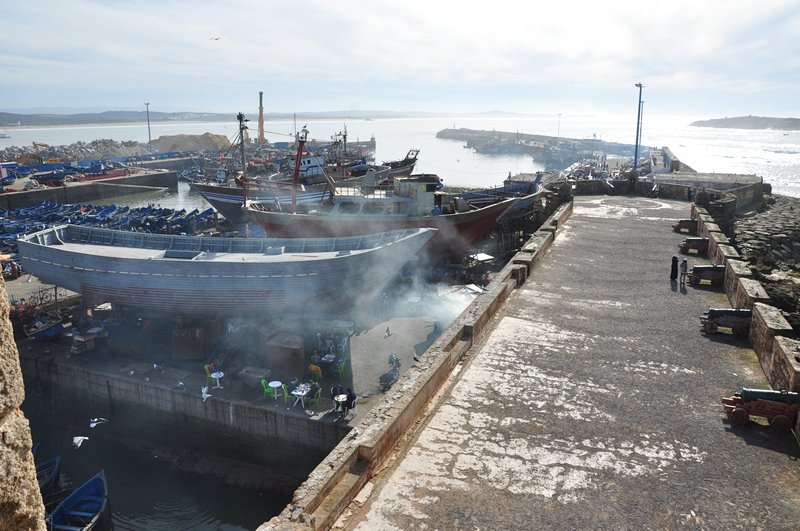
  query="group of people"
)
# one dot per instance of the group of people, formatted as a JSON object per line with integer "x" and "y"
{"x": 681, "y": 266}
{"x": 348, "y": 403}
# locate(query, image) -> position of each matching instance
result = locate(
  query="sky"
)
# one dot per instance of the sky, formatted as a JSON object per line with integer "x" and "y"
{"x": 705, "y": 58}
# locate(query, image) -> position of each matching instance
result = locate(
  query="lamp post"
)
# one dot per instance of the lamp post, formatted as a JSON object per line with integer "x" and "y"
{"x": 558, "y": 133}
{"x": 638, "y": 118}
{"x": 149, "y": 138}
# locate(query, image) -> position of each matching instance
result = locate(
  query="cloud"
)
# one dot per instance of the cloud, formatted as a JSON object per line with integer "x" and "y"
{"x": 400, "y": 55}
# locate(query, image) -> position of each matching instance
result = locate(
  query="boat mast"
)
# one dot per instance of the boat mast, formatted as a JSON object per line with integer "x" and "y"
{"x": 242, "y": 129}
{"x": 301, "y": 141}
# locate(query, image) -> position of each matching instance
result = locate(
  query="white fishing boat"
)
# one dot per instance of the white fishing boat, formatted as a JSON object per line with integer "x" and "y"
{"x": 195, "y": 275}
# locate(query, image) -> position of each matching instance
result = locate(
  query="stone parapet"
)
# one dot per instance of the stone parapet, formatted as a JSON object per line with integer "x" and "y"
{"x": 21, "y": 506}
{"x": 767, "y": 323}
{"x": 734, "y": 270}
{"x": 785, "y": 375}
{"x": 749, "y": 292}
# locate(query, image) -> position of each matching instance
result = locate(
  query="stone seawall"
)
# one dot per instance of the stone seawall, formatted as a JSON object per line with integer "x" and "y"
{"x": 77, "y": 193}
{"x": 281, "y": 444}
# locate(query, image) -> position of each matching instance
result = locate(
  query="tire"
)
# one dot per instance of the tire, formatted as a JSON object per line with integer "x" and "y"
{"x": 739, "y": 417}
{"x": 781, "y": 422}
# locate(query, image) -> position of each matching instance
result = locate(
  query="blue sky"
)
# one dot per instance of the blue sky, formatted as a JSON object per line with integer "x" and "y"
{"x": 701, "y": 58}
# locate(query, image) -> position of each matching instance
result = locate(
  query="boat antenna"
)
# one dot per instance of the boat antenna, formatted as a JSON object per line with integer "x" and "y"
{"x": 301, "y": 141}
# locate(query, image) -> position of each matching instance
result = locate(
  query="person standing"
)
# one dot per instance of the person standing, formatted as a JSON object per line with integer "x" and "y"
{"x": 684, "y": 271}
{"x": 673, "y": 272}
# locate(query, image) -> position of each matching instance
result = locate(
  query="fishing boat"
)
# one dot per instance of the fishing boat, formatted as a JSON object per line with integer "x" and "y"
{"x": 526, "y": 194}
{"x": 48, "y": 475}
{"x": 195, "y": 275}
{"x": 86, "y": 508}
{"x": 414, "y": 201}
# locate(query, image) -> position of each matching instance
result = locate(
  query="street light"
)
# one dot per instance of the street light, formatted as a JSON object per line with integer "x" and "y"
{"x": 149, "y": 138}
{"x": 638, "y": 118}
{"x": 558, "y": 134}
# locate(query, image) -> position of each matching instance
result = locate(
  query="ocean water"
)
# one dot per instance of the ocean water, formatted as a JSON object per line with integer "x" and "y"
{"x": 772, "y": 155}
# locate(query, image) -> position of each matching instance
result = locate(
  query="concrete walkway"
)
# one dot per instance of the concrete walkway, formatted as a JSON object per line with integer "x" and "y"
{"x": 594, "y": 402}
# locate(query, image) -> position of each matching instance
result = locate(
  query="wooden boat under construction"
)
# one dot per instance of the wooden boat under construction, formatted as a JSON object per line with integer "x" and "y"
{"x": 193, "y": 275}
{"x": 413, "y": 201}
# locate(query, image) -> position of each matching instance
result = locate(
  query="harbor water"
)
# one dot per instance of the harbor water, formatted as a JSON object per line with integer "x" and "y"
{"x": 145, "y": 491}
{"x": 772, "y": 155}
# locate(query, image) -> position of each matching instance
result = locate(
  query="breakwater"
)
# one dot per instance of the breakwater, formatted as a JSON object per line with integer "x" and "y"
{"x": 76, "y": 193}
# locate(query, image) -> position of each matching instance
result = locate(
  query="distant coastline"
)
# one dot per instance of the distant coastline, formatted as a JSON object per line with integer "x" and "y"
{"x": 11, "y": 120}
{"x": 751, "y": 122}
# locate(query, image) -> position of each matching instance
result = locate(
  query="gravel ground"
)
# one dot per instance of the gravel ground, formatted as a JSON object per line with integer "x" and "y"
{"x": 594, "y": 402}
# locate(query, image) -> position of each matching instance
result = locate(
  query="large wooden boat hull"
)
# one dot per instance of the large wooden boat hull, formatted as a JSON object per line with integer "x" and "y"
{"x": 455, "y": 232}
{"x": 191, "y": 275}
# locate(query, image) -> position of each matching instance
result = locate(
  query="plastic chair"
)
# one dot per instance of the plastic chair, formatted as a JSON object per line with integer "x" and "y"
{"x": 285, "y": 393}
{"x": 207, "y": 367}
{"x": 343, "y": 345}
{"x": 314, "y": 401}
{"x": 329, "y": 347}
{"x": 268, "y": 391}
{"x": 340, "y": 368}
{"x": 353, "y": 409}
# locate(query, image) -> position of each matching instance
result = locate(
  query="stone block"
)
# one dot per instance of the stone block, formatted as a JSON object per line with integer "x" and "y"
{"x": 749, "y": 292}
{"x": 734, "y": 270}
{"x": 767, "y": 323}
{"x": 785, "y": 374}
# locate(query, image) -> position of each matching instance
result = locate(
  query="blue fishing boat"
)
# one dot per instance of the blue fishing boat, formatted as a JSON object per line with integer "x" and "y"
{"x": 48, "y": 474}
{"x": 84, "y": 509}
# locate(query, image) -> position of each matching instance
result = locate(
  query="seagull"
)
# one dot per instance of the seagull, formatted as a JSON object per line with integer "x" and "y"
{"x": 215, "y": 38}
{"x": 94, "y": 422}
{"x": 159, "y": 368}
{"x": 204, "y": 392}
{"x": 179, "y": 385}
{"x": 354, "y": 433}
{"x": 78, "y": 441}
{"x": 416, "y": 358}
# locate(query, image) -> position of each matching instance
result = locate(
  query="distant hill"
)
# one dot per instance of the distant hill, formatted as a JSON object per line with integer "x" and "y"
{"x": 11, "y": 119}
{"x": 751, "y": 122}
{"x": 8, "y": 119}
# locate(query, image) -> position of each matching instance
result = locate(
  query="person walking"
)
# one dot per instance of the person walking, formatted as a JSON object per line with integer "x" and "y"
{"x": 673, "y": 272}
{"x": 684, "y": 271}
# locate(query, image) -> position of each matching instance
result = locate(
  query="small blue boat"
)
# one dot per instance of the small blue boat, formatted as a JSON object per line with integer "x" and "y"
{"x": 84, "y": 509}
{"x": 48, "y": 475}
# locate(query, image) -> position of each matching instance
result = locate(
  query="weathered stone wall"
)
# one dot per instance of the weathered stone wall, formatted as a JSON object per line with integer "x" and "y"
{"x": 734, "y": 270}
{"x": 21, "y": 506}
{"x": 785, "y": 375}
{"x": 767, "y": 323}
{"x": 748, "y": 292}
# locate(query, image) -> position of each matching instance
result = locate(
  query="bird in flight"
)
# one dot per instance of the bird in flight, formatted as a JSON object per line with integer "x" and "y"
{"x": 215, "y": 38}
{"x": 78, "y": 441}
{"x": 94, "y": 422}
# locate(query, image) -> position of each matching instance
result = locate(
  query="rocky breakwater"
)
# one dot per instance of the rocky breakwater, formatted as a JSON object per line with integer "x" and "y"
{"x": 770, "y": 241}
{"x": 106, "y": 148}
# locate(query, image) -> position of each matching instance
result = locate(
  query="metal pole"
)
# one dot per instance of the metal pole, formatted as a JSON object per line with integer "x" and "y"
{"x": 149, "y": 138}
{"x": 641, "y": 121}
{"x": 638, "y": 117}
{"x": 558, "y": 134}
